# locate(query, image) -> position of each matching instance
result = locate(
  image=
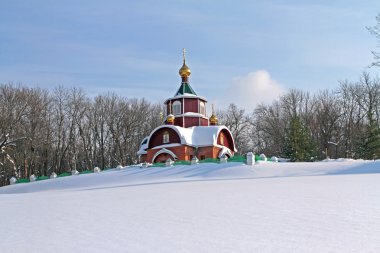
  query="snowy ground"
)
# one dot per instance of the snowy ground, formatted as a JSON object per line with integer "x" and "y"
{"x": 269, "y": 207}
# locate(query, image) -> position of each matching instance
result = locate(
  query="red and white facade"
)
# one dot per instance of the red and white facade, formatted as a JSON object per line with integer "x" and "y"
{"x": 186, "y": 132}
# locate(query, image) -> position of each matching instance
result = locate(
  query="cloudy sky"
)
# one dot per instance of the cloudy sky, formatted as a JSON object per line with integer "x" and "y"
{"x": 245, "y": 52}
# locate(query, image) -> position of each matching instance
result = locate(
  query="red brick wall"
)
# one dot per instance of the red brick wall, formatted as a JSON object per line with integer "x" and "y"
{"x": 178, "y": 122}
{"x": 184, "y": 153}
{"x": 191, "y": 121}
{"x": 208, "y": 152}
{"x": 143, "y": 158}
{"x": 157, "y": 137}
{"x": 191, "y": 105}
{"x": 204, "y": 122}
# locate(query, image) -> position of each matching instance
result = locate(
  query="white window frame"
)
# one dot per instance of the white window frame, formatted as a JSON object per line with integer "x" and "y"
{"x": 165, "y": 137}
{"x": 176, "y": 107}
{"x": 202, "y": 108}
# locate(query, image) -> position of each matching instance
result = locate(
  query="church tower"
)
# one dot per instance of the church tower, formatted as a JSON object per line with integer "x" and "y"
{"x": 187, "y": 108}
{"x": 187, "y": 132}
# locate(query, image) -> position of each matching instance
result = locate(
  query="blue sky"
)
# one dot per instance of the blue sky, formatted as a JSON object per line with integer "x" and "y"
{"x": 239, "y": 51}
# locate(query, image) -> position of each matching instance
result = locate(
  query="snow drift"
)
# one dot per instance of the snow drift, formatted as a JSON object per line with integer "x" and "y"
{"x": 269, "y": 207}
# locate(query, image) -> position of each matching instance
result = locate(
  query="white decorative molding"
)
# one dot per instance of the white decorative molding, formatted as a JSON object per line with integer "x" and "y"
{"x": 164, "y": 151}
{"x": 225, "y": 151}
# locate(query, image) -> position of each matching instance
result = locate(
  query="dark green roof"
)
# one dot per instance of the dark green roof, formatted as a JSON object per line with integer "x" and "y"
{"x": 185, "y": 88}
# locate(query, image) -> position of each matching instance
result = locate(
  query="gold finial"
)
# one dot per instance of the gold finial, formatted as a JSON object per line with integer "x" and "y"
{"x": 213, "y": 118}
{"x": 170, "y": 117}
{"x": 184, "y": 71}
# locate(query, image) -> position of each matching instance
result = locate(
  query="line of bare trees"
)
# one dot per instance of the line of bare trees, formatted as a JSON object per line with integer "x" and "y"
{"x": 306, "y": 127}
{"x": 43, "y": 132}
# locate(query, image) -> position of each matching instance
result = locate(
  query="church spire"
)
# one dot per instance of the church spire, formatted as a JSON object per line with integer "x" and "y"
{"x": 184, "y": 71}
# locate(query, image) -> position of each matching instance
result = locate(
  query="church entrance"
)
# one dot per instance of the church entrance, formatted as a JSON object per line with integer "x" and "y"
{"x": 163, "y": 155}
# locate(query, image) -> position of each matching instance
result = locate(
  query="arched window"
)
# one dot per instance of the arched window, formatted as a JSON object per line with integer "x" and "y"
{"x": 221, "y": 139}
{"x": 165, "y": 138}
{"x": 176, "y": 107}
{"x": 202, "y": 108}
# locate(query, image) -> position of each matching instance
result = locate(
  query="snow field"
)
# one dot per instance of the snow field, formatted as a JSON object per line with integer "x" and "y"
{"x": 269, "y": 207}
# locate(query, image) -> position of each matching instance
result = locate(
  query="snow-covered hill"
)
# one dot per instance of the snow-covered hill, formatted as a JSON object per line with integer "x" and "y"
{"x": 269, "y": 207}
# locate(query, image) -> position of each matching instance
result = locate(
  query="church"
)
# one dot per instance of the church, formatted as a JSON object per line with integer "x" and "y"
{"x": 186, "y": 132}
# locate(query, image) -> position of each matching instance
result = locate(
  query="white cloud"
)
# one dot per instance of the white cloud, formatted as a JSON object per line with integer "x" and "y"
{"x": 252, "y": 89}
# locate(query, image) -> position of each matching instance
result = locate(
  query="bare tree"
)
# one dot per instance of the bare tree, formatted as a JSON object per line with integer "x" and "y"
{"x": 351, "y": 117}
{"x": 268, "y": 129}
{"x": 375, "y": 30}
{"x": 325, "y": 126}
{"x": 239, "y": 124}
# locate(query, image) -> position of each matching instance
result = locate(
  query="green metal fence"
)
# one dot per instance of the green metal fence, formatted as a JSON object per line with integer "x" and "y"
{"x": 182, "y": 163}
{"x": 238, "y": 159}
{"x": 42, "y": 178}
{"x": 209, "y": 160}
{"x": 64, "y": 174}
{"x": 86, "y": 172}
{"x": 158, "y": 165}
{"x": 22, "y": 180}
{"x": 242, "y": 159}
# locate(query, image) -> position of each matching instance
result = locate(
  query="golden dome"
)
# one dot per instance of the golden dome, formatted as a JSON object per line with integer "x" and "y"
{"x": 213, "y": 119}
{"x": 184, "y": 70}
{"x": 170, "y": 118}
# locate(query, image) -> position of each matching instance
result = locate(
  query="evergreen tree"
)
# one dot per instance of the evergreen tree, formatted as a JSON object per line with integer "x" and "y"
{"x": 359, "y": 148}
{"x": 372, "y": 138}
{"x": 298, "y": 143}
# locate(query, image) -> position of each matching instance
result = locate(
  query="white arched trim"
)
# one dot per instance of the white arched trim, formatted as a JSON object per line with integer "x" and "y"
{"x": 185, "y": 135}
{"x": 165, "y": 126}
{"x": 164, "y": 151}
{"x": 228, "y": 130}
{"x": 225, "y": 151}
{"x": 177, "y": 108}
